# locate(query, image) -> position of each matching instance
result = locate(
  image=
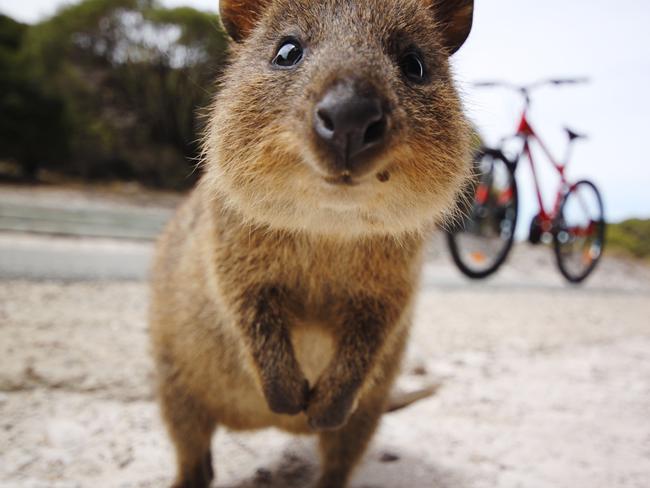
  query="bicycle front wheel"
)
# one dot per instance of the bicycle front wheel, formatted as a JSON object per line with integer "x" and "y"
{"x": 481, "y": 243}
{"x": 580, "y": 231}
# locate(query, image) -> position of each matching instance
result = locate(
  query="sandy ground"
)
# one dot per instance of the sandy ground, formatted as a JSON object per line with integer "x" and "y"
{"x": 543, "y": 385}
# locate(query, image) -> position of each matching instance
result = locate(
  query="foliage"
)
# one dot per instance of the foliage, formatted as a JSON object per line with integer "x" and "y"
{"x": 130, "y": 77}
{"x": 630, "y": 237}
{"x": 32, "y": 126}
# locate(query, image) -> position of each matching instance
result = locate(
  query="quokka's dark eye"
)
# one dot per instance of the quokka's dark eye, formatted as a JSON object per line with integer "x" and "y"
{"x": 413, "y": 67}
{"x": 289, "y": 54}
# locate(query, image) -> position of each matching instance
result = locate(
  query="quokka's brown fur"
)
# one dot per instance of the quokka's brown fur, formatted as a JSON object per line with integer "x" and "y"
{"x": 281, "y": 298}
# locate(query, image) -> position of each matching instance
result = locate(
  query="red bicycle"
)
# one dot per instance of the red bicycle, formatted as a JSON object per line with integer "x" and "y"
{"x": 575, "y": 224}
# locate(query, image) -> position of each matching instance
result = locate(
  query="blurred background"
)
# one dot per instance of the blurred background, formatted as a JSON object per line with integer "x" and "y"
{"x": 107, "y": 90}
{"x": 102, "y": 105}
{"x": 113, "y": 91}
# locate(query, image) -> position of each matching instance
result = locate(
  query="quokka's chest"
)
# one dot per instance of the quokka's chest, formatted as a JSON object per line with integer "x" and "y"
{"x": 314, "y": 347}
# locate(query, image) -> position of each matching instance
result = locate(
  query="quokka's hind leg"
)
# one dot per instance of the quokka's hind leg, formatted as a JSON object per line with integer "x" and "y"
{"x": 198, "y": 477}
{"x": 190, "y": 427}
{"x": 342, "y": 449}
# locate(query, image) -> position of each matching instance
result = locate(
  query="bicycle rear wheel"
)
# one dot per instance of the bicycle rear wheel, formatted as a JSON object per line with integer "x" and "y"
{"x": 482, "y": 241}
{"x": 580, "y": 231}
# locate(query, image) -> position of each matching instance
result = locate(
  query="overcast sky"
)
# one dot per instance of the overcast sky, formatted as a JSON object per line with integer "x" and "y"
{"x": 525, "y": 40}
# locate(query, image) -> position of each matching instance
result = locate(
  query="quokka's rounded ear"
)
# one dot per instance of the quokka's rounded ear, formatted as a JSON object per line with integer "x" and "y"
{"x": 240, "y": 16}
{"x": 455, "y": 17}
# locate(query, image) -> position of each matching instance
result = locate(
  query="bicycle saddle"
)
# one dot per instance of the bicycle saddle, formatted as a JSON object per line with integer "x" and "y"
{"x": 574, "y": 135}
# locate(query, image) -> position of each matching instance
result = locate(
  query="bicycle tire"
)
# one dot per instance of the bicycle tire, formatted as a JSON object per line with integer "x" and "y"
{"x": 565, "y": 235}
{"x": 453, "y": 237}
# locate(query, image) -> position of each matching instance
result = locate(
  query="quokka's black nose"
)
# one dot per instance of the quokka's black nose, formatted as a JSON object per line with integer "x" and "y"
{"x": 351, "y": 124}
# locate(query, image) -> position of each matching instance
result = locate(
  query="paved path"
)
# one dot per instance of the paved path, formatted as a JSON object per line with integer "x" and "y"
{"x": 72, "y": 259}
{"x": 97, "y": 219}
{"x": 39, "y": 257}
{"x": 64, "y": 234}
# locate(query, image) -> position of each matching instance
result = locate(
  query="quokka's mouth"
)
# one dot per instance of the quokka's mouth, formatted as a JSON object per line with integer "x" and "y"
{"x": 347, "y": 179}
{"x": 344, "y": 179}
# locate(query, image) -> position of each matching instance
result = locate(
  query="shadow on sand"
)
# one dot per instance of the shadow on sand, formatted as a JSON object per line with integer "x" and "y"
{"x": 380, "y": 469}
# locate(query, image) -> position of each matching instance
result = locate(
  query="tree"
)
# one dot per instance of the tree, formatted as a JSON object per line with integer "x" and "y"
{"x": 32, "y": 127}
{"x": 130, "y": 76}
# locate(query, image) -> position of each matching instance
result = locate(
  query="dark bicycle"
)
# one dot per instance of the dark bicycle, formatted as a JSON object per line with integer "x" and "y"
{"x": 575, "y": 224}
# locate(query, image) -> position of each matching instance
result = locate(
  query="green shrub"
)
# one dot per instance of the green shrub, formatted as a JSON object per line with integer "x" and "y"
{"x": 631, "y": 237}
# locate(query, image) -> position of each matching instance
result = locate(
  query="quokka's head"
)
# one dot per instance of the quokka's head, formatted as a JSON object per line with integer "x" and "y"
{"x": 340, "y": 116}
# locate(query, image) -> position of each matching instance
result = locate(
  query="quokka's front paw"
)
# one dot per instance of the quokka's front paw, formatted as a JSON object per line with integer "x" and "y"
{"x": 286, "y": 393}
{"x": 330, "y": 405}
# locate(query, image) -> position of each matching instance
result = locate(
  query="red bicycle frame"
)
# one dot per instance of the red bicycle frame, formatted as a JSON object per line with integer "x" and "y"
{"x": 528, "y": 134}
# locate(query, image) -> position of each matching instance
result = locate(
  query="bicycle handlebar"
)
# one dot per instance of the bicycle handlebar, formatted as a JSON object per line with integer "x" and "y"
{"x": 566, "y": 81}
{"x": 525, "y": 89}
